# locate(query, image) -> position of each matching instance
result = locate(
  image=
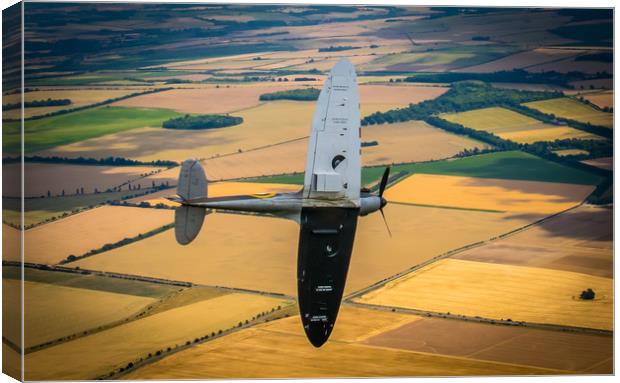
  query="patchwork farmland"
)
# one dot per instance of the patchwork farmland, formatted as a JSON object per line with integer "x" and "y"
{"x": 80, "y": 310}
{"x": 458, "y": 287}
{"x": 514, "y": 126}
{"x": 500, "y": 200}
{"x": 574, "y": 110}
{"x": 352, "y": 356}
{"x": 52, "y": 242}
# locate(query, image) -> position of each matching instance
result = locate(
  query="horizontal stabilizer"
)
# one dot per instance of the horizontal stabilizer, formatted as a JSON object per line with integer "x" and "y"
{"x": 187, "y": 223}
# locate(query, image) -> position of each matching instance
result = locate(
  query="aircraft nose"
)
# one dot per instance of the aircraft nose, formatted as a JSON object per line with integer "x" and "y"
{"x": 383, "y": 202}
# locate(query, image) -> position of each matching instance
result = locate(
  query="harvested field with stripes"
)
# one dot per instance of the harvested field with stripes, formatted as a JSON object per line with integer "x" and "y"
{"x": 55, "y": 241}
{"x": 280, "y": 344}
{"x": 495, "y": 291}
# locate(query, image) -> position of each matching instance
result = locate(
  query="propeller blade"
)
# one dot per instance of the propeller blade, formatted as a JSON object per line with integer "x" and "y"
{"x": 385, "y": 220}
{"x": 384, "y": 181}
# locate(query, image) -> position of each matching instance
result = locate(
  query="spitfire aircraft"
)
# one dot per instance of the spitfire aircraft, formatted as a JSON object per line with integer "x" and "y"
{"x": 327, "y": 208}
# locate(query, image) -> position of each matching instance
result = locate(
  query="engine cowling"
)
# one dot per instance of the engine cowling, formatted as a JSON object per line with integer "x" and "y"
{"x": 370, "y": 204}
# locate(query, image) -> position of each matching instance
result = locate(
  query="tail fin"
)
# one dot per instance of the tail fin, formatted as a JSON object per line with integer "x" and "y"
{"x": 192, "y": 180}
{"x": 188, "y": 219}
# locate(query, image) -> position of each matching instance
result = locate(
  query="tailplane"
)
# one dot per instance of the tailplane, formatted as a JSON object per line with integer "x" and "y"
{"x": 192, "y": 184}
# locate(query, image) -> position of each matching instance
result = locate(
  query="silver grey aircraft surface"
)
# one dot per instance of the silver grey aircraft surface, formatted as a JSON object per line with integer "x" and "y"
{"x": 327, "y": 208}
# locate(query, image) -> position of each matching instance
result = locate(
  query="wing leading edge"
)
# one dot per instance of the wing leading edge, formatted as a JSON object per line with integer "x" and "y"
{"x": 333, "y": 158}
{"x": 327, "y": 231}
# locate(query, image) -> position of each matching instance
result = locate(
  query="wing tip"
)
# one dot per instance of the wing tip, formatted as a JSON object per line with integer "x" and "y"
{"x": 343, "y": 67}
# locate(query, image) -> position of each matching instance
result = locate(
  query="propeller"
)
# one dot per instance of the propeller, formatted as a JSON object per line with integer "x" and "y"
{"x": 382, "y": 185}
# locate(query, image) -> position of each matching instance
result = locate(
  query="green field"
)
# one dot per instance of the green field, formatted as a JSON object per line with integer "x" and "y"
{"x": 514, "y": 165}
{"x": 39, "y": 209}
{"x": 72, "y": 127}
{"x": 92, "y": 282}
{"x": 574, "y": 110}
{"x": 511, "y": 165}
{"x": 495, "y": 120}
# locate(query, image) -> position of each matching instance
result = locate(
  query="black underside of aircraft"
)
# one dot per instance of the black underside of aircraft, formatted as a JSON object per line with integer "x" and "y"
{"x": 325, "y": 245}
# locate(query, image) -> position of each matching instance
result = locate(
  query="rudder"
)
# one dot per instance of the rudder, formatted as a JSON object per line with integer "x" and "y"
{"x": 192, "y": 180}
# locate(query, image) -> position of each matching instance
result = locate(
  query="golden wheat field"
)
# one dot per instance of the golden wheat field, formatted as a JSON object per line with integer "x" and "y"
{"x": 349, "y": 328}
{"x": 579, "y": 240}
{"x": 262, "y": 243}
{"x": 54, "y": 311}
{"x": 497, "y": 291}
{"x": 11, "y": 361}
{"x": 282, "y": 344}
{"x": 488, "y": 194}
{"x": 606, "y": 163}
{"x": 11, "y": 309}
{"x": 574, "y": 110}
{"x": 55, "y": 178}
{"x": 10, "y": 243}
{"x": 548, "y": 134}
{"x": 220, "y": 189}
{"x": 103, "y": 352}
{"x": 51, "y": 243}
{"x": 78, "y": 96}
{"x": 514, "y": 126}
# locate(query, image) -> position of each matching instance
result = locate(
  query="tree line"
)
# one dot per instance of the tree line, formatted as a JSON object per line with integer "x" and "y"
{"x": 122, "y": 242}
{"x": 205, "y": 121}
{"x": 337, "y": 48}
{"x": 107, "y": 161}
{"x": 305, "y": 94}
{"x": 37, "y": 103}
{"x": 511, "y": 76}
